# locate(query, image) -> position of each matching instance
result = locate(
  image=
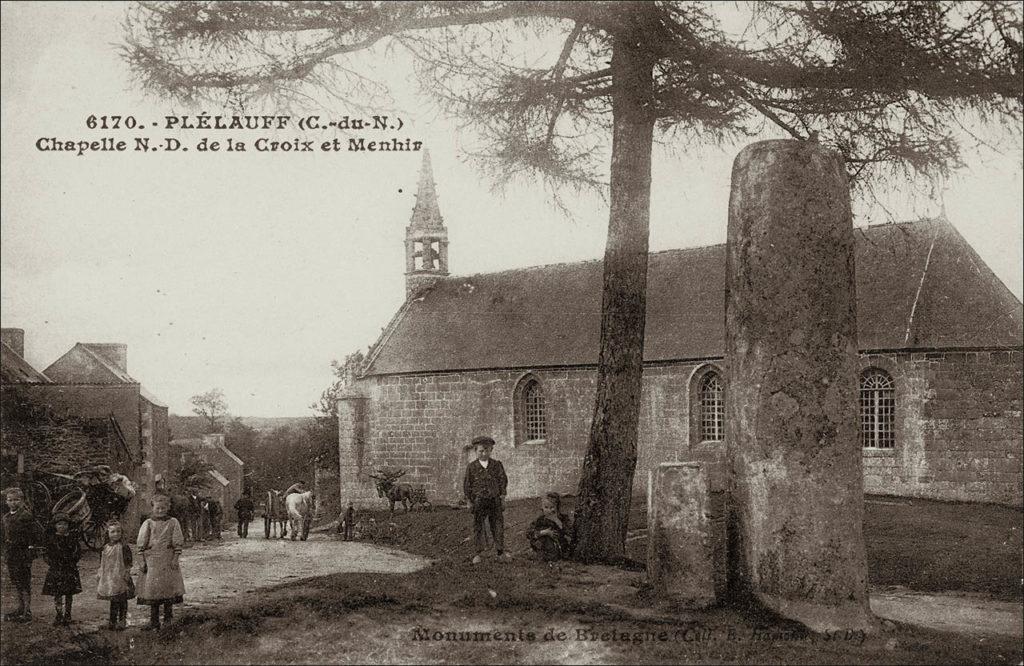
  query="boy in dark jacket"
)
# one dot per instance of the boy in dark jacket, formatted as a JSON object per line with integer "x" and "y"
{"x": 485, "y": 485}
{"x": 216, "y": 512}
{"x": 19, "y": 531}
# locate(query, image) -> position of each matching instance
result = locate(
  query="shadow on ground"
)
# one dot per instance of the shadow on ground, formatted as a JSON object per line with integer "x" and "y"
{"x": 531, "y": 612}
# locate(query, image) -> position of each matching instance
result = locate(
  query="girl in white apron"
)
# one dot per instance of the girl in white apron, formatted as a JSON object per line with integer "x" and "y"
{"x": 159, "y": 547}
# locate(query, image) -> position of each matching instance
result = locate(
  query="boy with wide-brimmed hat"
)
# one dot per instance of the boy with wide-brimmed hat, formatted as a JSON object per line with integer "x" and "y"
{"x": 485, "y": 485}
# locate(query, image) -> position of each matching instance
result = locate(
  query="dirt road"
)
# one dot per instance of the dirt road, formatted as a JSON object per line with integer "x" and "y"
{"x": 219, "y": 570}
{"x": 240, "y": 566}
{"x": 959, "y": 613}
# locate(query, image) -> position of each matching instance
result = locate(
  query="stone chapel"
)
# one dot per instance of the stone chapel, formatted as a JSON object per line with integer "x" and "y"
{"x": 513, "y": 355}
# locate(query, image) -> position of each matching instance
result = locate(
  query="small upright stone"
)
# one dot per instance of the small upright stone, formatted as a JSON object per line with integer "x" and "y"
{"x": 791, "y": 421}
{"x": 685, "y": 541}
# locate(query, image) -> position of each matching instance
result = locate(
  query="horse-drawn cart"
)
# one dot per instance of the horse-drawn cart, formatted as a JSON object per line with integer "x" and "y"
{"x": 89, "y": 498}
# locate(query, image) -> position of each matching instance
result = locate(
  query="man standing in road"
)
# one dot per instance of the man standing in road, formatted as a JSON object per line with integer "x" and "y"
{"x": 485, "y": 485}
{"x": 216, "y": 512}
{"x": 244, "y": 509}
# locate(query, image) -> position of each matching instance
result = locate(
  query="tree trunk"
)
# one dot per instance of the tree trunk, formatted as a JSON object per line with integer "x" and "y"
{"x": 606, "y": 482}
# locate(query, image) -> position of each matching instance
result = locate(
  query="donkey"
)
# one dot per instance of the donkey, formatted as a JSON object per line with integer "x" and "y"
{"x": 402, "y": 493}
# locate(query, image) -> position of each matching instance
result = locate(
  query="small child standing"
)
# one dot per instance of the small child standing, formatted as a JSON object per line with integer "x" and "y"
{"x": 114, "y": 580}
{"x": 160, "y": 543}
{"x": 62, "y": 581}
{"x": 19, "y": 531}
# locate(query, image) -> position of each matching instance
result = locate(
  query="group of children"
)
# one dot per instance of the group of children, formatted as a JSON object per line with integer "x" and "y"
{"x": 485, "y": 485}
{"x": 158, "y": 582}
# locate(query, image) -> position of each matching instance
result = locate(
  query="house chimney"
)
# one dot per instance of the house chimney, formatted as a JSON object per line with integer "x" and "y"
{"x": 114, "y": 352}
{"x": 15, "y": 339}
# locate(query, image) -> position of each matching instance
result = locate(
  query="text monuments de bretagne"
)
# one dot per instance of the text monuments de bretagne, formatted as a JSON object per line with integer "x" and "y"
{"x": 931, "y": 403}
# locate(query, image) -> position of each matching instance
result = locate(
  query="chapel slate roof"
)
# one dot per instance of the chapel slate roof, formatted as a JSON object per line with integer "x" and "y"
{"x": 919, "y": 286}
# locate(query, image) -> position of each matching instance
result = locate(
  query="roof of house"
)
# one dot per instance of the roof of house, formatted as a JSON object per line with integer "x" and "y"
{"x": 105, "y": 362}
{"x": 207, "y": 442}
{"x": 220, "y": 478}
{"x": 919, "y": 286}
{"x": 16, "y": 370}
{"x": 151, "y": 398}
{"x": 100, "y": 369}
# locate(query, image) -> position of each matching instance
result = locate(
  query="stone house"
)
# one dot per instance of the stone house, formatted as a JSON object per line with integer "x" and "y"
{"x": 106, "y": 416}
{"x": 513, "y": 355}
{"x": 228, "y": 475}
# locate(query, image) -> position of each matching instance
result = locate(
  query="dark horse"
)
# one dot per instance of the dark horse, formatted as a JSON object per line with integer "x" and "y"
{"x": 275, "y": 515}
{"x": 186, "y": 507}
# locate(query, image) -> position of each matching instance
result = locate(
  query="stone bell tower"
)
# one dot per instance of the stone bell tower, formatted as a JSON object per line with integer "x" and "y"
{"x": 426, "y": 238}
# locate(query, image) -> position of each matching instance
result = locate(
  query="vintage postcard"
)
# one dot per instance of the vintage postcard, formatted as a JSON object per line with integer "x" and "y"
{"x": 512, "y": 332}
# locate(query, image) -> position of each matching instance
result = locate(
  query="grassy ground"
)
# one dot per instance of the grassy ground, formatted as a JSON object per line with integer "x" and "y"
{"x": 922, "y": 545}
{"x": 431, "y": 616}
{"x": 404, "y": 619}
{"x": 941, "y": 546}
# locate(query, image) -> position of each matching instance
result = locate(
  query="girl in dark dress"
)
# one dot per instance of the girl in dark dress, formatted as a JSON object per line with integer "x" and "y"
{"x": 62, "y": 581}
{"x": 549, "y": 534}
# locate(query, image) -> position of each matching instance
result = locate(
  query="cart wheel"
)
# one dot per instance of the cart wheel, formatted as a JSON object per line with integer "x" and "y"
{"x": 39, "y": 500}
{"x": 92, "y": 535}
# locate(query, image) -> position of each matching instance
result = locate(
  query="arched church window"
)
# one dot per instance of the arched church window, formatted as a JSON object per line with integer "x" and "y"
{"x": 530, "y": 410}
{"x": 877, "y": 410}
{"x": 707, "y": 405}
{"x": 712, "y": 408}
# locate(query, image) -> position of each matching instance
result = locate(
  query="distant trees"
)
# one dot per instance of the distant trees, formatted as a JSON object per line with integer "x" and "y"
{"x": 192, "y": 475}
{"x": 243, "y": 441}
{"x": 324, "y": 430}
{"x": 212, "y": 407}
{"x": 281, "y": 457}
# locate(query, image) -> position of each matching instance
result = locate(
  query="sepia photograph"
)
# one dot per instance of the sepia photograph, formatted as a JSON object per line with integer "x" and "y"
{"x": 492, "y": 332}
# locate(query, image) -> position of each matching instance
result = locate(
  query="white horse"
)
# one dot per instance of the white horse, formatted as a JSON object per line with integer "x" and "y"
{"x": 300, "y": 512}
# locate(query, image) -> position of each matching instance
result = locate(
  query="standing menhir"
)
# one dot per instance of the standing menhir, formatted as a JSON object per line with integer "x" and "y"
{"x": 791, "y": 424}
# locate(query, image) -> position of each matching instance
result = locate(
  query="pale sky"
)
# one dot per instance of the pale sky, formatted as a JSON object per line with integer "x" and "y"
{"x": 250, "y": 272}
